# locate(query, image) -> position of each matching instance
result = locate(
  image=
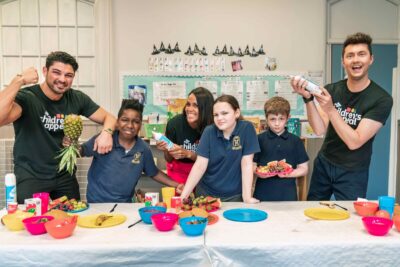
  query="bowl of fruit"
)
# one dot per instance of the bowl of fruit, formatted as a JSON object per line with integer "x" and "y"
{"x": 193, "y": 226}
{"x": 68, "y": 205}
{"x": 61, "y": 228}
{"x": 206, "y": 203}
{"x": 274, "y": 168}
{"x": 146, "y": 212}
{"x": 164, "y": 221}
{"x": 35, "y": 224}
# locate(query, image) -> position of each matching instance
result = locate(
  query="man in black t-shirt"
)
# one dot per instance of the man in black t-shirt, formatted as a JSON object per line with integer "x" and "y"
{"x": 350, "y": 113}
{"x": 37, "y": 113}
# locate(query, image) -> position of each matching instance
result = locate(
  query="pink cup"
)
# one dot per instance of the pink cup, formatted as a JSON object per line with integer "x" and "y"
{"x": 44, "y": 197}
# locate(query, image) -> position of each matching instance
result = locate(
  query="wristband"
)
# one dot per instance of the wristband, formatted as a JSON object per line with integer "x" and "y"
{"x": 108, "y": 130}
{"x": 306, "y": 100}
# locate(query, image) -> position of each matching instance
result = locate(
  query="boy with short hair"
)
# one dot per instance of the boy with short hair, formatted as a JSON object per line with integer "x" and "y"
{"x": 276, "y": 144}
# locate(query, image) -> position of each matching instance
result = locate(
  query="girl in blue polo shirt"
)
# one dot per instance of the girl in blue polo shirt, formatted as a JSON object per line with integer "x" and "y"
{"x": 112, "y": 177}
{"x": 223, "y": 167}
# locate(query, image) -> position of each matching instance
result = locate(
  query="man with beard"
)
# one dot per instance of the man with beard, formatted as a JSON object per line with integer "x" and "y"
{"x": 350, "y": 113}
{"x": 38, "y": 113}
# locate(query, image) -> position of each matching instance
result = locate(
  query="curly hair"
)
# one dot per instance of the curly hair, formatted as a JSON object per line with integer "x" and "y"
{"x": 63, "y": 57}
{"x": 131, "y": 104}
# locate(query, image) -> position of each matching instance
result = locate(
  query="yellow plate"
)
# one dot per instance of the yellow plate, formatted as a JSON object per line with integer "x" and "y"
{"x": 326, "y": 214}
{"x": 88, "y": 221}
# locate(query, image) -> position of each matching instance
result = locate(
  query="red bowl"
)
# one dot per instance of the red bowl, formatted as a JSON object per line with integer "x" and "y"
{"x": 61, "y": 228}
{"x": 164, "y": 221}
{"x": 35, "y": 224}
{"x": 364, "y": 208}
{"x": 377, "y": 225}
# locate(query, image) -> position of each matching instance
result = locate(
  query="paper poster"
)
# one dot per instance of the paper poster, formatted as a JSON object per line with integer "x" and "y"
{"x": 234, "y": 88}
{"x": 211, "y": 86}
{"x": 138, "y": 92}
{"x": 163, "y": 91}
{"x": 256, "y": 94}
{"x": 285, "y": 90}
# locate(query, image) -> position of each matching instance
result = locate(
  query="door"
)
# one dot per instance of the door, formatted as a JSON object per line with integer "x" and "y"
{"x": 385, "y": 59}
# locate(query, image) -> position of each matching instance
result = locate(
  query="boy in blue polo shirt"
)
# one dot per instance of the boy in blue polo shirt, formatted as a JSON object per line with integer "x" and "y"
{"x": 113, "y": 177}
{"x": 277, "y": 143}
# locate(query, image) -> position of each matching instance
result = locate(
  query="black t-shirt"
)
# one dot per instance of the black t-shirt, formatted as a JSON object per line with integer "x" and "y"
{"x": 372, "y": 103}
{"x": 39, "y": 130}
{"x": 179, "y": 131}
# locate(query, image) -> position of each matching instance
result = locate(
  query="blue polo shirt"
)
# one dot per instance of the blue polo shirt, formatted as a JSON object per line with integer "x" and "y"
{"x": 112, "y": 177}
{"x": 223, "y": 177}
{"x": 277, "y": 147}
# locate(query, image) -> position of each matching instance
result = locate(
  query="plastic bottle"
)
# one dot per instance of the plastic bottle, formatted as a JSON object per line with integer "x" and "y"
{"x": 161, "y": 137}
{"x": 11, "y": 188}
{"x": 311, "y": 87}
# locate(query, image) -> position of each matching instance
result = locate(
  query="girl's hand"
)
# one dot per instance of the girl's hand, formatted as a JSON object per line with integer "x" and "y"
{"x": 251, "y": 200}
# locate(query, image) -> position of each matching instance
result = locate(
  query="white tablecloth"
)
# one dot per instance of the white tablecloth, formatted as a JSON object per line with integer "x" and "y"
{"x": 289, "y": 238}
{"x": 141, "y": 245}
{"x": 286, "y": 238}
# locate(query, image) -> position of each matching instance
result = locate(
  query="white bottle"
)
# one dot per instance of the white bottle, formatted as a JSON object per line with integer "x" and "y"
{"x": 161, "y": 137}
{"x": 11, "y": 188}
{"x": 311, "y": 87}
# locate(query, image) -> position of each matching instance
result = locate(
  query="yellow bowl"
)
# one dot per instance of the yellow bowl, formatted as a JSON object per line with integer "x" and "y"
{"x": 13, "y": 221}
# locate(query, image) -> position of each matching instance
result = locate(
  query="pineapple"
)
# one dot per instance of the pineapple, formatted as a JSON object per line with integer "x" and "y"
{"x": 73, "y": 130}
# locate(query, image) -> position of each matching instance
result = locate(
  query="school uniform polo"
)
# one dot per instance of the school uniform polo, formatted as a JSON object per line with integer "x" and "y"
{"x": 112, "y": 177}
{"x": 223, "y": 177}
{"x": 278, "y": 147}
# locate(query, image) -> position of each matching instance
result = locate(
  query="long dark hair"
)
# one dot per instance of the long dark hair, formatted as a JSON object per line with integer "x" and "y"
{"x": 205, "y": 102}
{"x": 231, "y": 100}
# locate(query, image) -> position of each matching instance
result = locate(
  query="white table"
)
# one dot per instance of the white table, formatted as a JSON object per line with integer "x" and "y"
{"x": 141, "y": 245}
{"x": 286, "y": 238}
{"x": 289, "y": 238}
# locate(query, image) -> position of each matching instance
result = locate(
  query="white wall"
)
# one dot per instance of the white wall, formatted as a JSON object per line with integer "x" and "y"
{"x": 292, "y": 31}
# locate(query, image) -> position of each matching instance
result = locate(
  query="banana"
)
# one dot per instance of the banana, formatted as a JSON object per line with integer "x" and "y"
{"x": 101, "y": 219}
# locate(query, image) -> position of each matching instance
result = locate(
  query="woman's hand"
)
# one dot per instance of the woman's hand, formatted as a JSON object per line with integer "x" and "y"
{"x": 161, "y": 145}
{"x": 178, "y": 152}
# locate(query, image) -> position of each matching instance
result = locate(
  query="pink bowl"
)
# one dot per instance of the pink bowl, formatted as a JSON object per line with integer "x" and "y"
{"x": 377, "y": 225}
{"x": 164, "y": 221}
{"x": 61, "y": 228}
{"x": 364, "y": 208}
{"x": 35, "y": 224}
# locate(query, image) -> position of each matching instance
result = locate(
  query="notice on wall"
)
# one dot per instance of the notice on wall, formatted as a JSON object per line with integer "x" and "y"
{"x": 233, "y": 87}
{"x": 163, "y": 91}
{"x": 211, "y": 86}
{"x": 256, "y": 94}
{"x": 285, "y": 90}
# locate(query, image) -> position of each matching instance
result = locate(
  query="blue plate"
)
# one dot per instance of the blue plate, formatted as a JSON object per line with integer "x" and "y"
{"x": 245, "y": 215}
{"x": 75, "y": 211}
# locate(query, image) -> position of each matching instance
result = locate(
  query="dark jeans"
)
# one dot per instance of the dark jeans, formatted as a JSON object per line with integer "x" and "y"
{"x": 58, "y": 187}
{"x": 328, "y": 179}
{"x": 201, "y": 192}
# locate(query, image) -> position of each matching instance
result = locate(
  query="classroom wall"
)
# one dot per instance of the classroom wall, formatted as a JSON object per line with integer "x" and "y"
{"x": 296, "y": 40}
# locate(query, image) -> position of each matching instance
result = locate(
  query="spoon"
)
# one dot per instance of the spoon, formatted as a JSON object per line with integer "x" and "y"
{"x": 133, "y": 224}
{"x": 113, "y": 208}
{"x": 331, "y": 205}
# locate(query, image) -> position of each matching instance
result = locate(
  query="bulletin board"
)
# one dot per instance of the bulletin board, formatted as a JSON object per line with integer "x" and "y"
{"x": 251, "y": 90}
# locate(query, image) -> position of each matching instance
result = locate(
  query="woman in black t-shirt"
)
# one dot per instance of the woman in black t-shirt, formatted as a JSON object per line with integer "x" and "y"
{"x": 184, "y": 130}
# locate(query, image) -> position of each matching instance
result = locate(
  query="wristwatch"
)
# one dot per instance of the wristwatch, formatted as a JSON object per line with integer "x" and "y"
{"x": 306, "y": 100}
